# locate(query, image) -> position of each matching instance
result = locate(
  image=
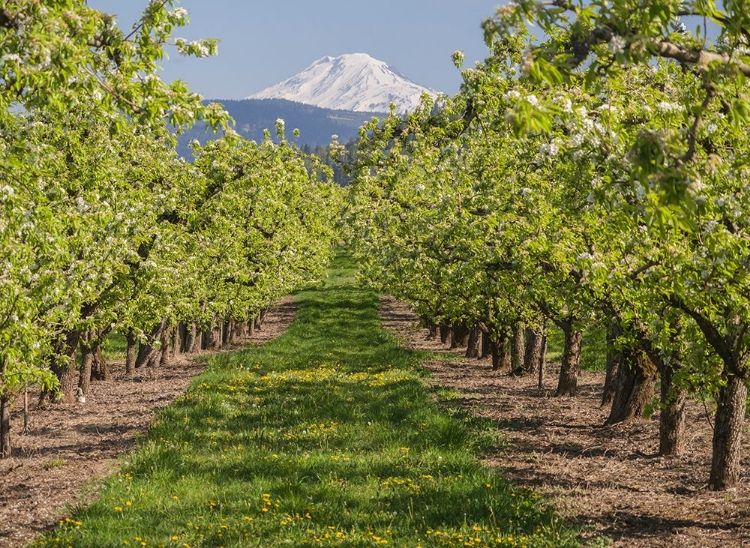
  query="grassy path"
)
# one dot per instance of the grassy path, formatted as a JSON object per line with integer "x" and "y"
{"x": 325, "y": 437}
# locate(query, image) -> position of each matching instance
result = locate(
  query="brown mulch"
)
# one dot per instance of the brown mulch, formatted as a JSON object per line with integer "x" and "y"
{"x": 607, "y": 479}
{"x": 69, "y": 448}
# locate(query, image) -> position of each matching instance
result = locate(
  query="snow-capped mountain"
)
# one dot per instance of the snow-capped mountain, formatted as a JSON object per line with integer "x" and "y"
{"x": 353, "y": 81}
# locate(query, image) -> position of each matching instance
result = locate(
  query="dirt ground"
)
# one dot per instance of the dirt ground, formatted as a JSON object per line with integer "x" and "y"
{"x": 57, "y": 463}
{"x": 607, "y": 479}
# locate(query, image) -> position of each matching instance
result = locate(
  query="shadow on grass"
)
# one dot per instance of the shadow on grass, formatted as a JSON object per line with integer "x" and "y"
{"x": 324, "y": 436}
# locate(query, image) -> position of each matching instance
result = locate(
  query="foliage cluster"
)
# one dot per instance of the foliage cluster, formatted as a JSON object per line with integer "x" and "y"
{"x": 595, "y": 177}
{"x": 103, "y": 227}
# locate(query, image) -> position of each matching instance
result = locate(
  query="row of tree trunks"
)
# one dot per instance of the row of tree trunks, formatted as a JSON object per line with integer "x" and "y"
{"x": 629, "y": 387}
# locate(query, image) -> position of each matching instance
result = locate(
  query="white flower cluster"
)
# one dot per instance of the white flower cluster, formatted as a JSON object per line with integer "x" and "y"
{"x": 549, "y": 150}
{"x": 178, "y": 14}
{"x": 617, "y": 44}
{"x": 666, "y": 106}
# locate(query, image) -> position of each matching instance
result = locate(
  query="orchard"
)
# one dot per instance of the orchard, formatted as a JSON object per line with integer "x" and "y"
{"x": 594, "y": 177}
{"x": 105, "y": 229}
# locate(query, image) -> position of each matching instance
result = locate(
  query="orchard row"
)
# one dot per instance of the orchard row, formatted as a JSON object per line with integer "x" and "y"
{"x": 595, "y": 178}
{"x": 104, "y": 228}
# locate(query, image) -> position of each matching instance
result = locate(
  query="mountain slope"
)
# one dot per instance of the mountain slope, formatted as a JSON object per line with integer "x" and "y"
{"x": 252, "y": 117}
{"x": 354, "y": 82}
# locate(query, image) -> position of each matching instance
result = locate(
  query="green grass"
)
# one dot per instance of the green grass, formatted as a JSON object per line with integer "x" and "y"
{"x": 593, "y": 347}
{"x": 115, "y": 346}
{"x": 323, "y": 437}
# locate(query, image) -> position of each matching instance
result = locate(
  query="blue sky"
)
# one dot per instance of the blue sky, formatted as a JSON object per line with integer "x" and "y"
{"x": 264, "y": 42}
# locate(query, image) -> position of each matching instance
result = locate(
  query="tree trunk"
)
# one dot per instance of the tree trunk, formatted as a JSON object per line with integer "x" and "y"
{"x": 445, "y": 333}
{"x": 5, "y": 446}
{"x": 532, "y": 355}
{"x": 230, "y": 331}
{"x": 176, "y": 341}
{"x": 163, "y": 352}
{"x": 218, "y": 335}
{"x": 567, "y": 383}
{"x": 212, "y": 337}
{"x": 517, "y": 347}
{"x": 132, "y": 340}
{"x": 64, "y": 365}
{"x": 459, "y": 335}
{"x": 100, "y": 370}
{"x": 672, "y": 417}
{"x": 727, "y": 442}
{"x": 187, "y": 334}
{"x": 636, "y": 383}
{"x": 472, "y": 345}
{"x": 196, "y": 338}
{"x": 144, "y": 355}
{"x": 148, "y": 355}
{"x": 543, "y": 361}
{"x": 500, "y": 350}
{"x": 432, "y": 331}
{"x": 485, "y": 347}
{"x": 244, "y": 329}
{"x": 84, "y": 375}
{"x": 612, "y": 363}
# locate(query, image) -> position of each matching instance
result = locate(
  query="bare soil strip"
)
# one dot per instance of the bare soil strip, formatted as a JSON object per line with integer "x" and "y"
{"x": 608, "y": 479}
{"x": 69, "y": 448}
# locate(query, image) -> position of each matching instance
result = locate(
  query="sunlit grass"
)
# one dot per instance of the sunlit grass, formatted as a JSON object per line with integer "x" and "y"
{"x": 593, "y": 347}
{"x": 323, "y": 437}
{"x": 115, "y": 346}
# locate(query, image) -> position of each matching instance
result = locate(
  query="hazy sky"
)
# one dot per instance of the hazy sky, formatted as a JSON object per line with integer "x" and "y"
{"x": 264, "y": 42}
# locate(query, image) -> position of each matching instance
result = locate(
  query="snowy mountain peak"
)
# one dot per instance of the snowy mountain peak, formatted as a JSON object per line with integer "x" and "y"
{"x": 354, "y": 81}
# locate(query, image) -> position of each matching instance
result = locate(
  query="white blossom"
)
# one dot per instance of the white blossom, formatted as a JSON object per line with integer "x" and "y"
{"x": 617, "y": 44}
{"x": 549, "y": 149}
{"x": 179, "y": 14}
{"x": 666, "y": 106}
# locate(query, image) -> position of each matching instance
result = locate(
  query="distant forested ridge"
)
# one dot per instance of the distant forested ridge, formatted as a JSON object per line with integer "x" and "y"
{"x": 253, "y": 116}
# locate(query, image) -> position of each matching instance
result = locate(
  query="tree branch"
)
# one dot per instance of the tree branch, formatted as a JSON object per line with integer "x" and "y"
{"x": 700, "y": 58}
{"x": 722, "y": 347}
